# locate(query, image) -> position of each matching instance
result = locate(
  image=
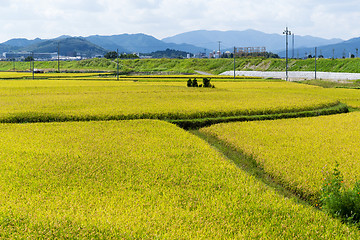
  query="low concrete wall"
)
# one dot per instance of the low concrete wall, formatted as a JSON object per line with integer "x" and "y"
{"x": 298, "y": 75}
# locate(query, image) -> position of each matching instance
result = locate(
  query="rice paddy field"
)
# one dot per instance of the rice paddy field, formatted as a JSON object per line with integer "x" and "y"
{"x": 62, "y": 100}
{"x": 29, "y": 75}
{"x": 141, "y": 179}
{"x": 90, "y": 157}
{"x": 299, "y": 152}
{"x": 348, "y": 96}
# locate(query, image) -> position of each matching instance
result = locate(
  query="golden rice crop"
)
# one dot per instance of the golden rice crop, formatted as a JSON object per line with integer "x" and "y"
{"x": 351, "y": 97}
{"x": 14, "y": 75}
{"x": 21, "y": 75}
{"x": 186, "y": 77}
{"x": 52, "y": 75}
{"x": 139, "y": 179}
{"x": 163, "y": 79}
{"x": 90, "y": 100}
{"x": 299, "y": 152}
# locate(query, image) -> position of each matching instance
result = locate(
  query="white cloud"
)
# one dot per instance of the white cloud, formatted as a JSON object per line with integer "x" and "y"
{"x": 162, "y": 18}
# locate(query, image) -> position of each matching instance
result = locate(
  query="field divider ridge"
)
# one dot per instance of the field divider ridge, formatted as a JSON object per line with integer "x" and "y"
{"x": 205, "y": 122}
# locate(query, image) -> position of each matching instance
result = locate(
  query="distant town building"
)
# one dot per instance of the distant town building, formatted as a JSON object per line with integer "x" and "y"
{"x": 227, "y": 54}
{"x": 244, "y": 51}
{"x": 23, "y": 55}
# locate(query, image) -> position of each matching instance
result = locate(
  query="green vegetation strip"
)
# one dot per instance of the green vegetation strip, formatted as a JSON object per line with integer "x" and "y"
{"x": 204, "y": 122}
{"x": 140, "y": 179}
{"x": 214, "y": 66}
{"x": 190, "y": 123}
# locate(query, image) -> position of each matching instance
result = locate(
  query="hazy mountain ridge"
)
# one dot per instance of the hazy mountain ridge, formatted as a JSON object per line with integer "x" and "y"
{"x": 95, "y": 45}
{"x": 339, "y": 50}
{"x": 193, "y": 42}
{"x": 140, "y": 43}
{"x": 247, "y": 38}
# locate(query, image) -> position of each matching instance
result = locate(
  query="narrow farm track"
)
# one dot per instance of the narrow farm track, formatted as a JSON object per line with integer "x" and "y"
{"x": 203, "y": 73}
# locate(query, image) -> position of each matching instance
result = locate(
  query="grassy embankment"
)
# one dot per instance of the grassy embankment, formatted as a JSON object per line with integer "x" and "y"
{"x": 214, "y": 66}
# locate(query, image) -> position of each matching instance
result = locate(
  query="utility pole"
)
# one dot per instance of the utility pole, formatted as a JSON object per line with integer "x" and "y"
{"x": 58, "y": 53}
{"x": 234, "y": 63}
{"x": 287, "y": 33}
{"x": 293, "y": 45}
{"x": 219, "y": 49}
{"x": 117, "y": 69}
{"x": 315, "y": 60}
{"x": 33, "y": 60}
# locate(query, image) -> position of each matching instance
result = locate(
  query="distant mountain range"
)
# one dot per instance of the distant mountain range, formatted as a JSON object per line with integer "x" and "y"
{"x": 94, "y": 45}
{"x": 193, "y": 42}
{"x": 343, "y": 49}
{"x": 248, "y": 38}
{"x": 68, "y": 46}
{"x": 139, "y": 43}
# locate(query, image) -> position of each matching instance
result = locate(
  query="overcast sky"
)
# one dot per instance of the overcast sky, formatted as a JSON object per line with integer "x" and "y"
{"x": 164, "y": 18}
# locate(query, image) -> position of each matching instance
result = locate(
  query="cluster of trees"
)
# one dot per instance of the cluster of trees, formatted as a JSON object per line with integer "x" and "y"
{"x": 256, "y": 54}
{"x": 114, "y": 55}
{"x": 169, "y": 53}
{"x": 29, "y": 59}
{"x": 194, "y": 83}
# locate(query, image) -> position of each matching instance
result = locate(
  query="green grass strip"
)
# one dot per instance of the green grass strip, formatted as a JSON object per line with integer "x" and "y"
{"x": 189, "y": 123}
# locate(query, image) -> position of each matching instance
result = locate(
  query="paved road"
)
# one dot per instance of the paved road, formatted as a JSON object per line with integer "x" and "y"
{"x": 204, "y": 73}
{"x": 294, "y": 76}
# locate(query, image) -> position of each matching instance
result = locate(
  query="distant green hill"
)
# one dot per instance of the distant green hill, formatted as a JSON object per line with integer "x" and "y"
{"x": 22, "y": 42}
{"x": 169, "y": 53}
{"x": 71, "y": 46}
